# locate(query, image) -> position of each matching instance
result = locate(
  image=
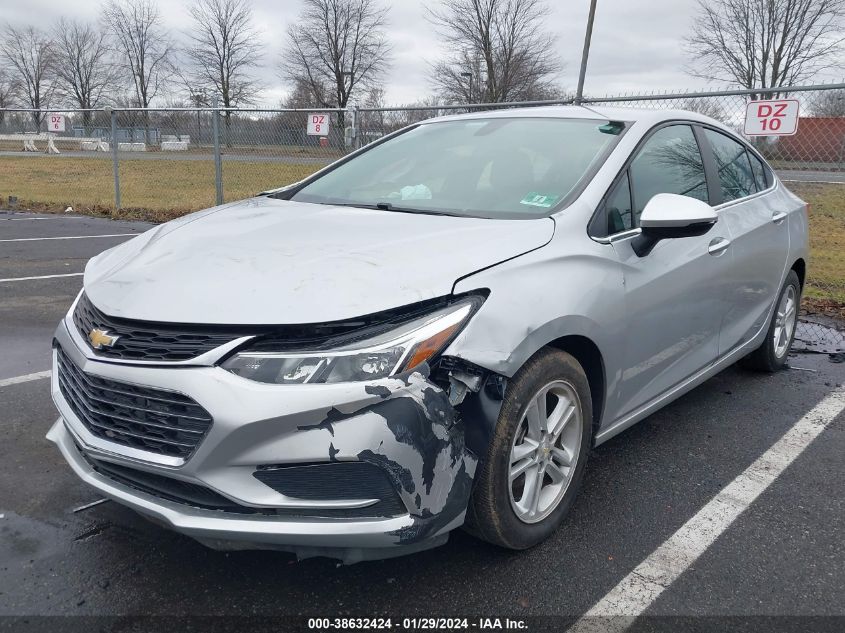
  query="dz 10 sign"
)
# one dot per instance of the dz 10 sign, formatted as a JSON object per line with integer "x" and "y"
{"x": 771, "y": 118}
{"x": 318, "y": 124}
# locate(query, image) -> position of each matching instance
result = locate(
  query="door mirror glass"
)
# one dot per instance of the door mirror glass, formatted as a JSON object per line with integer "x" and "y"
{"x": 669, "y": 216}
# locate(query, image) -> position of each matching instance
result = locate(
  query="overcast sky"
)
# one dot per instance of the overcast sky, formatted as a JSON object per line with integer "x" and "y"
{"x": 637, "y": 45}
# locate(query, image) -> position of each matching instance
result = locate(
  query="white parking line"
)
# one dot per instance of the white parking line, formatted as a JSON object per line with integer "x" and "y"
{"x": 69, "y": 237}
{"x": 639, "y": 589}
{"x": 26, "y": 378}
{"x": 41, "y": 277}
{"x": 58, "y": 217}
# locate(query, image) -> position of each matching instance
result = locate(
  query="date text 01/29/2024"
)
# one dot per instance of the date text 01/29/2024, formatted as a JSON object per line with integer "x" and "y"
{"x": 416, "y": 624}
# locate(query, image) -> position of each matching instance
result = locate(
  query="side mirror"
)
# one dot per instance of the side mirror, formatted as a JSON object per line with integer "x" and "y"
{"x": 668, "y": 216}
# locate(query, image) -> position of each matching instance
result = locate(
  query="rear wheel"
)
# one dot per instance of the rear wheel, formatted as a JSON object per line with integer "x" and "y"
{"x": 772, "y": 354}
{"x": 536, "y": 459}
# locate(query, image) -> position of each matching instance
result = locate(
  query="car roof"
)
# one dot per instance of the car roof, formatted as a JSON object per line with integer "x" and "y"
{"x": 648, "y": 116}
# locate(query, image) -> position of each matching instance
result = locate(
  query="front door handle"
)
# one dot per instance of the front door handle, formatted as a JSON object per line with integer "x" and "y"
{"x": 777, "y": 218}
{"x": 718, "y": 246}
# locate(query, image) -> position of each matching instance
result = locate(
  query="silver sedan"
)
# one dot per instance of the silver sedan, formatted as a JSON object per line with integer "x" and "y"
{"x": 429, "y": 333}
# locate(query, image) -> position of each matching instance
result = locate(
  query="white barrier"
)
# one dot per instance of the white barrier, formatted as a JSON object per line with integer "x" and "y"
{"x": 132, "y": 147}
{"x": 174, "y": 146}
{"x": 94, "y": 146}
{"x": 28, "y": 141}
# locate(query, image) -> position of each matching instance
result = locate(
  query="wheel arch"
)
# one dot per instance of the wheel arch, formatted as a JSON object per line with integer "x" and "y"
{"x": 589, "y": 356}
{"x": 800, "y": 268}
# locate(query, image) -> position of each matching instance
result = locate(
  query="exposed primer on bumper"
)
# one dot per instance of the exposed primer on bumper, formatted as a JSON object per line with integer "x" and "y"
{"x": 422, "y": 449}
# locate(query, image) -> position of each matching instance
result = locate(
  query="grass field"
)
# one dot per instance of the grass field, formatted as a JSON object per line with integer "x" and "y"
{"x": 826, "y": 271}
{"x": 150, "y": 189}
{"x": 158, "y": 190}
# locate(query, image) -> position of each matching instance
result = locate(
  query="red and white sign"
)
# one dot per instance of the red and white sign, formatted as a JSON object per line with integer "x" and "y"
{"x": 771, "y": 118}
{"x": 318, "y": 124}
{"x": 56, "y": 123}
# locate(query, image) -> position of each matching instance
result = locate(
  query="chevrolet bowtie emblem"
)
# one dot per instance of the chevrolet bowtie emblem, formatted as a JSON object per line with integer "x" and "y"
{"x": 101, "y": 338}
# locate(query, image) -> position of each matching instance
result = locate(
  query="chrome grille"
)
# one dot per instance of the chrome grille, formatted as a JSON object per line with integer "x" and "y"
{"x": 147, "y": 340}
{"x": 162, "y": 422}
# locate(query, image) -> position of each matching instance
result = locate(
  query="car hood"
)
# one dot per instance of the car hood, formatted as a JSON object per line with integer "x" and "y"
{"x": 268, "y": 261}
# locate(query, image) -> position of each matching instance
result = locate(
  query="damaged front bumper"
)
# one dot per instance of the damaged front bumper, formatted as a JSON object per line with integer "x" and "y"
{"x": 404, "y": 427}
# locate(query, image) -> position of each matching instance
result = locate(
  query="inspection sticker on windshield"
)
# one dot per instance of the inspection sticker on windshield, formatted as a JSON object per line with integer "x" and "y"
{"x": 534, "y": 199}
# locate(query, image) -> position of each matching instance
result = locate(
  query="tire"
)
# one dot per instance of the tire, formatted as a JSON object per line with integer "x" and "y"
{"x": 772, "y": 354}
{"x": 500, "y": 512}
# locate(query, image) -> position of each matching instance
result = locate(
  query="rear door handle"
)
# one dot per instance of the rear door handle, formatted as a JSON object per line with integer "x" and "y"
{"x": 718, "y": 246}
{"x": 777, "y": 218}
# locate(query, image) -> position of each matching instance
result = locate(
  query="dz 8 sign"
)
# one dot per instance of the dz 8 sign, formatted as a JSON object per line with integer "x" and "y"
{"x": 771, "y": 118}
{"x": 318, "y": 124}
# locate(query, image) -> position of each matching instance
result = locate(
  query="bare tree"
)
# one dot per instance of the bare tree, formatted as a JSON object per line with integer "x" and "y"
{"x": 371, "y": 125}
{"x": 7, "y": 93}
{"x": 302, "y": 96}
{"x": 30, "y": 55}
{"x": 336, "y": 46}
{"x": 497, "y": 50}
{"x": 299, "y": 98}
{"x": 828, "y": 103}
{"x": 765, "y": 43}
{"x": 707, "y": 106}
{"x": 224, "y": 48}
{"x": 84, "y": 69}
{"x": 143, "y": 45}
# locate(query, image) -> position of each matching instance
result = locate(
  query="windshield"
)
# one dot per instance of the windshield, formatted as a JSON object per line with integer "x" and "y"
{"x": 497, "y": 167}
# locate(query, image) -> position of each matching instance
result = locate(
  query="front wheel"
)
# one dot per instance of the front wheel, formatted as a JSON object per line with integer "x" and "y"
{"x": 536, "y": 459}
{"x": 772, "y": 354}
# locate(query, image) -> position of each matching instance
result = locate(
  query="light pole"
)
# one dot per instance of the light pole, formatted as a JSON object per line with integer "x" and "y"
{"x": 342, "y": 115}
{"x": 200, "y": 99}
{"x": 579, "y": 94}
{"x": 345, "y": 74}
{"x": 469, "y": 75}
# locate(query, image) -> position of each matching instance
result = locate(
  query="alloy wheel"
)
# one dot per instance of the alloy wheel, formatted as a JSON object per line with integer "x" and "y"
{"x": 785, "y": 320}
{"x": 545, "y": 451}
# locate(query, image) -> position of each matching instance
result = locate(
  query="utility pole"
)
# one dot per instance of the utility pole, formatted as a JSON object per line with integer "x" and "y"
{"x": 579, "y": 94}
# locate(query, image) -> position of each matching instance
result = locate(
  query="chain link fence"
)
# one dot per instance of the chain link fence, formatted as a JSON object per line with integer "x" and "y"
{"x": 169, "y": 161}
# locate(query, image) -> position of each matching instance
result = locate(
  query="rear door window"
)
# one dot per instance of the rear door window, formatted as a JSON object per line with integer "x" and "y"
{"x": 736, "y": 180}
{"x": 760, "y": 172}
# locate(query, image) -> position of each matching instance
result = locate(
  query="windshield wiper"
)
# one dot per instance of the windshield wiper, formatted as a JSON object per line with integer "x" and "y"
{"x": 389, "y": 206}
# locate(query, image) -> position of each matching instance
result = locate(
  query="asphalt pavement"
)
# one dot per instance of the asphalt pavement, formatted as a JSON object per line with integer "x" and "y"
{"x": 783, "y": 556}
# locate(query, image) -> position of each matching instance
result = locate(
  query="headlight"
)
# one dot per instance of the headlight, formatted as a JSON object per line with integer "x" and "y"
{"x": 401, "y": 349}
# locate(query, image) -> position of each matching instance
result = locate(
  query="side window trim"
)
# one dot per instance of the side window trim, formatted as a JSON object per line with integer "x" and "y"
{"x": 626, "y": 176}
